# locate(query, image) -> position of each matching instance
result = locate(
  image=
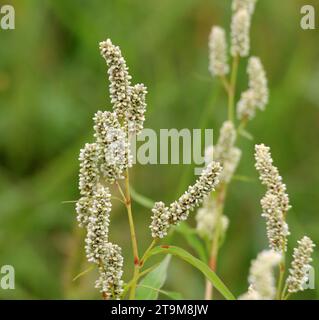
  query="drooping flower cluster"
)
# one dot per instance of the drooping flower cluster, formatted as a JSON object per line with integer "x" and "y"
{"x": 225, "y": 152}
{"x": 275, "y": 203}
{"x": 164, "y": 217}
{"x": 240, "y": 28}
{"x": 105, "y": 161}
{"x": 160, "y": 220}
{"x": 119, "y": 77}
{"x": 110, "y": 279}
{"x": 89, "y": 171}
{"x": 114, "y": 145}
{"x": 257, "y": 94}
{"x": 93, "y": 212}
{"x": 300, "y": 265}
{"x": 128, "y": 101}
{"x": 261, "y": 277}
{"x": 88, "y": 180}
{"x": 136, "y": 111}
{"x": 218, "y": 65}
{"x": 277, "y": 228}
{"x": 98, "y": 225}
{"x": 270, "y": 177}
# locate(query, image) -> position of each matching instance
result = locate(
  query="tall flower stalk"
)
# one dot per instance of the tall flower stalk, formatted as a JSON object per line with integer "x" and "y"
{"x": 107, "y": 161}
{"x": 275, "y": 205}
{"x": 225, "y": 150}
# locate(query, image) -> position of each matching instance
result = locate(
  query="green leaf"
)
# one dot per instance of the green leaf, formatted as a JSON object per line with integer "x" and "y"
{"x": 150, "y": 285}
{"x": 201, "y": 266}
{"x": 192, "y": 239}
{"x": 246, "y": 134}
{"x": 171, "y": 294}
{"x": 142, "y": 200}
{"x": 83, "y": 273}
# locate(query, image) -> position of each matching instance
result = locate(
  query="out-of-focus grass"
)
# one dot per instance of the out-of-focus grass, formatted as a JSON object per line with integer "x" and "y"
{"x": 52, "y": 80}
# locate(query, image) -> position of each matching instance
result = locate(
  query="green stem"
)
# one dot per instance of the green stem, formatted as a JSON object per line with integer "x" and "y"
{"x": 242, "y": 125}
{"x": 283, "y": 295}
{"x": 282, "y": 269}
{"x": 232, "y": 89}
{"x": 286, "y": 296}
{"x": 141, "y": 274}
{"x": 215, "y": 243}
{"x": 146, "y": 253}
{"x": 133, "y": 235}
{"x": 225, "y": 84}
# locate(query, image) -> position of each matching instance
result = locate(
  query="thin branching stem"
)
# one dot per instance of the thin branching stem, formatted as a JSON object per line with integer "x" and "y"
{"x": 147, "y": 251}
{"x": 225, "y": 83}
{"x": 133, "y": 235}
{"x": 282, "y": 270}
{"x": 285, "y": 296}
{"x": 141, "y": 274}
{"x": 220, "y": 200}
{"x": 232, "y": 89}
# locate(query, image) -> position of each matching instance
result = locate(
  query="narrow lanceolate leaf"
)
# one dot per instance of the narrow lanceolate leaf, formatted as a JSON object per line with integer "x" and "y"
{"x": 201, "y": 266}
{"x": 149, "y": 287}
{"x": 83, "y": 273}
{"x": 246, "y": 134}
{"x": 171, "y": 294}
{"x": 141, "y": 199}
{"x": 192, "y": 239}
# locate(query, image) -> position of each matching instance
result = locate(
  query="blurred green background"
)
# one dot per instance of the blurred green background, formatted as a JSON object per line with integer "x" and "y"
{"x": 52, "y": 80}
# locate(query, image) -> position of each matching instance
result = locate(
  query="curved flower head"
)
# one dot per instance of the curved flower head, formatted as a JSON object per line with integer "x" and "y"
{"x": 89, "y": 170}
{"x": 258, "y": 82}
{"x": 196, "y": 193}
{"x": 257, "y": 95}
{"x": 270, "y": 177}
{"x": 246, "y": 106}
{"x": 98, "y": 225}
{"x": 261, "y": 277}
{"x": 240, "y": 28}
{"x": 164, "y": 217}
{"x": 226, "y": 141}
{"x": 218, "y": 65}
{"x": 300, "y": 265}
{"x": 277, "y": 228}
{"x": 160, "y": 220}
{"x": 115, "y": 148}
{"x": 119, "y": 78}
{"x": 111, "y": 270}
{"x": 135, "y": 115}
{"x": 275, "y": 203}
{"x": 225, "y": 152}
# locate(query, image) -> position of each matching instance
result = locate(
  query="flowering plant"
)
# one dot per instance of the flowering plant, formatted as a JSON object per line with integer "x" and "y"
{"x": 108, "y": 159}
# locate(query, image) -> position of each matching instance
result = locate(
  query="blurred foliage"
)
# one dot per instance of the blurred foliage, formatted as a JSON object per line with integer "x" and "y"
{"x": 52, "y": 80}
